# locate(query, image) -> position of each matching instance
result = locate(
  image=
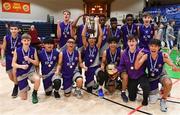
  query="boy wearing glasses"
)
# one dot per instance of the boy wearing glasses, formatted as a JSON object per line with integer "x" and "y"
{"x": 68, "y": 62}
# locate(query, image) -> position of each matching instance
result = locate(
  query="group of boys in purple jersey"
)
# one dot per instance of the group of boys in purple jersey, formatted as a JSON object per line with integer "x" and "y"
{"x": 141, "y": 51}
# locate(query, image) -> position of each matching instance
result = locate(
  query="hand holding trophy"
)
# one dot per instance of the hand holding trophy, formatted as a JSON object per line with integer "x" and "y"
{"x": 112, "y": 71}
{"x": 92, "y": 23}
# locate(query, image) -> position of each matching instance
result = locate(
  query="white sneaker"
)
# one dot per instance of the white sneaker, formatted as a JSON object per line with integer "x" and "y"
{"x": 153, "y": 98}
{"x": 163, "y": 105}
{"x": 78, "y": 94}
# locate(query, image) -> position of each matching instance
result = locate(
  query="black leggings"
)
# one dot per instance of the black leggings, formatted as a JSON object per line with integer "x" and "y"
{"x": 57, "y": 84}
{"x": 132, "y": 87}
{"x": 102, "y": 77}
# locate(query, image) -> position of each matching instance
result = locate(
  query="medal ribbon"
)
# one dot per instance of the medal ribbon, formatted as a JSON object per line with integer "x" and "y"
{"x": 23, "y": 52}
{"x": 49, "y": 58}
{"x": 70, "y": 58}
{"x": 129, "y": 31}
{"x": 66, "y": 29}
{"x": 113, "y": 58}
{"x": 132, "y": 59}
{"x": 155, "y": 63}
{"x": 92, "y": 51}
{"x": 114, "y": 35}
{"x": 13, "y": 44}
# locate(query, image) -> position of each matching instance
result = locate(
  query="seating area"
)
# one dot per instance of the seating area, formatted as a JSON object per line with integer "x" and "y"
{"x": 44, "y": 29}
{"x": 2, "y": 30}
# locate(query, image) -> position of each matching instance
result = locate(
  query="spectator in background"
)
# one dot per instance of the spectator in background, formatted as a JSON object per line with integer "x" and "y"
{"x": 157, "y": 18}
{"x": 160, "y": 34}
{"x": 170, "y": 35}
{"x": 7, "y": 29}
{"x": 178, "y": 40}
{"x": 34, "y": 35}
{"x": 20, "y": 31}
{"x": 163, "y": 19}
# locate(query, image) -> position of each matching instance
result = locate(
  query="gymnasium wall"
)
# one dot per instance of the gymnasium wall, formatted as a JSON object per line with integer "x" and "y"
{"x": 120, "y": 8}
{"x": 41, "y": 8}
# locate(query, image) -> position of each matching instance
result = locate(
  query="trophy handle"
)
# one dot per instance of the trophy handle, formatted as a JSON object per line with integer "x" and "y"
{"x": 96, "y": 19}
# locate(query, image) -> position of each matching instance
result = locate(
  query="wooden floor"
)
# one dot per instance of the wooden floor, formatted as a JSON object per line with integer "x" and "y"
{"x": 89, "y": 105}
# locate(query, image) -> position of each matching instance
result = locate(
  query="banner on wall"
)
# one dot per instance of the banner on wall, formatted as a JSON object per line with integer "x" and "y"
{"x": 15, "y": 7}
{"x": 167, "y": 12}
{"x": 170, "y": 11}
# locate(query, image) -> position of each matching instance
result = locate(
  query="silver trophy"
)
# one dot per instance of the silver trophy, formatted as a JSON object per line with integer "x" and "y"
{"x": 92, "y": 25}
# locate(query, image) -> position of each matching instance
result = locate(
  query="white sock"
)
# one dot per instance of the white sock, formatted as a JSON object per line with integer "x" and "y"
{"x": 77, "y": 88}
{"x": 123, "y": 91}
{"x": 100, "y": 87}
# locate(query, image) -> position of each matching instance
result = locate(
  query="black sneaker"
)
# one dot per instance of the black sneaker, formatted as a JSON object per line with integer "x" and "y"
{"x": 89, "y": 89}
{"x": 124, "y": 97}
{"x": 56, "y": 95}
{"x": 15, "y": 91}
{"x": 96, "y": 86}
{"x": 145, "y": 102}
{"x": 48, "y": 93}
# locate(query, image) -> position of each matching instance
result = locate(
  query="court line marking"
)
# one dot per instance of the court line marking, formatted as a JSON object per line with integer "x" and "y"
{"x": 174, "y": 97}
{"x": 177, "y": 102}
{"x": 120, "y": 103}
{"x": 136, "y": 109}
{"x": 175, "y": 82}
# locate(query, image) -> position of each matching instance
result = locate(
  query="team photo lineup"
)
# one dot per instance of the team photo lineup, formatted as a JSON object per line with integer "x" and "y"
{"x": 97, "y": 56}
